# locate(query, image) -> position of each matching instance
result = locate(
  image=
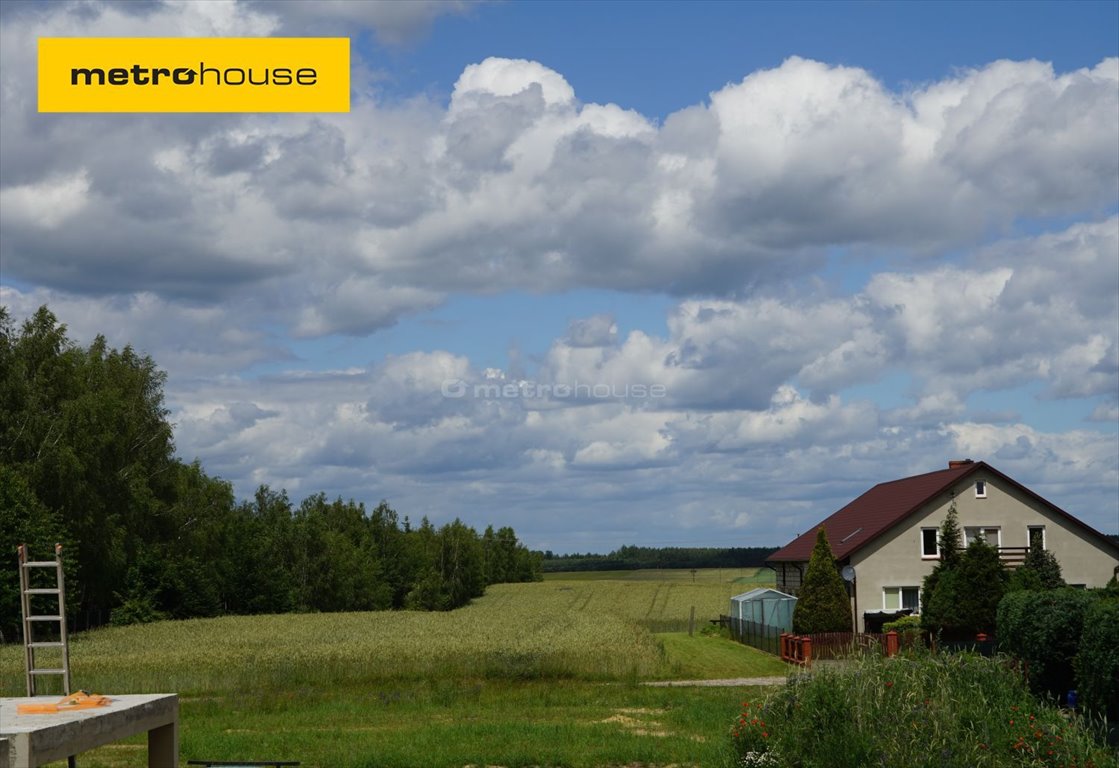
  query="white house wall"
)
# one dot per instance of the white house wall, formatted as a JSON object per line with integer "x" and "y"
{"x": 894, "y": 559}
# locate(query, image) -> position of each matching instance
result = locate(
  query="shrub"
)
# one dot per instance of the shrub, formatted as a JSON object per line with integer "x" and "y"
{"x": 136, "y": 609}
{"x": 822, "y": 605}
{"x": 909, "y": 634}
{"x": 1043, "y": 629}
{"x": 1097, "y": 663}
{"x": 965, "y": 597}
{"x": 957, "y": 711}
{"x": 904, "y": 624}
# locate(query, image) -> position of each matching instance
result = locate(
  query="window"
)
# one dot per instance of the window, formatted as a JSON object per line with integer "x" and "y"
{"x": 901, "y": 599}
{"x": 990, "y": 534}
{"x": 929, "y": 548}
{"x": 980, "y": 489}
{"x": 1036, "y": 536}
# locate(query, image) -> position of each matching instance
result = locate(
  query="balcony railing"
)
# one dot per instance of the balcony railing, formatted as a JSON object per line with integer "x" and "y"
{"x": 1012, "y": 557}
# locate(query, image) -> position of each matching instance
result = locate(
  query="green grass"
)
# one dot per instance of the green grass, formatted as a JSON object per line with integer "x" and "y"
{"x": 542, "y": 674}
{"x": 706, "y": 658}
{"x": 464, "y": 722}
{"x": 451, "y": 724}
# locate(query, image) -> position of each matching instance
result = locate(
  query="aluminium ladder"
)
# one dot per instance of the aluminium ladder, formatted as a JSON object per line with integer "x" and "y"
{"x": 30, "y": 645}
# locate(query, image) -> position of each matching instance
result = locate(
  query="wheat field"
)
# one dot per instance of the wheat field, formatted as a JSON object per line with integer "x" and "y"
{"x": 589, "y": 629}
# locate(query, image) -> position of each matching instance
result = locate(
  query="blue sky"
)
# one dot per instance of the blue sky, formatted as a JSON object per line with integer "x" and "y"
{"x": 848, "y": 241}
{"x": 656, "y": 57}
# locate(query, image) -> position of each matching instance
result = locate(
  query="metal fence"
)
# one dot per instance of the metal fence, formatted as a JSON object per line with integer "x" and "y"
{"x": 761, "y": 636}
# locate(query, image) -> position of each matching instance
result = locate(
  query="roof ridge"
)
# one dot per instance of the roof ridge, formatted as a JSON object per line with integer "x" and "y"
{"x": 927, "y": 474}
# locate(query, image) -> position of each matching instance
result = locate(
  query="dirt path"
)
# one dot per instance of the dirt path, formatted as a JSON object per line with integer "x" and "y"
{"x": 726, "y": 682}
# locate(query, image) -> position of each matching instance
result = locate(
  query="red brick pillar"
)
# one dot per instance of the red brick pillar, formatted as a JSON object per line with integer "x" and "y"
{"x": 891, "y": 643}
{"x": 807, "y": 651}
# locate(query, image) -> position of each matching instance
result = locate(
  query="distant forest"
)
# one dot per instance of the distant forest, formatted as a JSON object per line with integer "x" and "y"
{"x": 87, "y": 460}
{"x": 634, "y": 558}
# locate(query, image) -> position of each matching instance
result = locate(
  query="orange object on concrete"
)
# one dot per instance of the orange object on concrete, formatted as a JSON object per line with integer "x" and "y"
{"x": 79, "y": 700}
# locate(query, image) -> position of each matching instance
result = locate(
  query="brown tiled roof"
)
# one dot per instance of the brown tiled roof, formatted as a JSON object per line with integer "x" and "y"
{"x": 887, "y": 504}
{"x": 874, "y": 513}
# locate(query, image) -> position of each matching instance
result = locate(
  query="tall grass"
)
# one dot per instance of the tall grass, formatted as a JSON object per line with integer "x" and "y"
{"x": 950, "y": 711}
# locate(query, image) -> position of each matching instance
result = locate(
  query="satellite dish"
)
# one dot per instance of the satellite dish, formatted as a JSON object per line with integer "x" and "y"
{"x": 848, "y": 573}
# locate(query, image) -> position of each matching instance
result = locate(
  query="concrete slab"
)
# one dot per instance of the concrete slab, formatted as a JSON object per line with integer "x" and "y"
{"x": 34, "y": 740}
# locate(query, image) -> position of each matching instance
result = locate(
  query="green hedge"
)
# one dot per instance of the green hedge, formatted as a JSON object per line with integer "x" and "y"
{"x": 1097, "y": 663}
{"x": 1044, "y": 629}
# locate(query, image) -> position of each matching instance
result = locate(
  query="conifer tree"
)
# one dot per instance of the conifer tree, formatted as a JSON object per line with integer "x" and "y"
{"x": 1040, "y": 570}
{"x": 822, "y": 605}
{"x": 948, "y": 542}
{"x": 949, "y": 538}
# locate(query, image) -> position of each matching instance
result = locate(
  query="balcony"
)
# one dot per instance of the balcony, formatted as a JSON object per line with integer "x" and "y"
{"x": 1012, "y": 557}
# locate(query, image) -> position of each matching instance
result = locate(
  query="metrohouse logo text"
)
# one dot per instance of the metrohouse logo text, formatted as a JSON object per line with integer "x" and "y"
{"x": 139, "y": 75}
{"x": 194, "y": 74}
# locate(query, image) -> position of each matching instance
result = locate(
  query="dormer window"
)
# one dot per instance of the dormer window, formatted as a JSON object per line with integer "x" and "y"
{"x": 980, "y": 489}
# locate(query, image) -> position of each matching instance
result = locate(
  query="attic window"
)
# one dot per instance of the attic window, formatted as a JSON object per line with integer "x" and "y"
{"x": 980, "y": 489}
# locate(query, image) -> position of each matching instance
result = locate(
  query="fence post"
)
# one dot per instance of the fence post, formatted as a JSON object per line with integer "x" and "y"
{"x": 691, "y": 621}
{"x": 807, "y": 651}
{"x": 891, "y": 643}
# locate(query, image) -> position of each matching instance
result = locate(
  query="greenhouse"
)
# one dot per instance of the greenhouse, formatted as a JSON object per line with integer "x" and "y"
{"x": 758, "y": 617}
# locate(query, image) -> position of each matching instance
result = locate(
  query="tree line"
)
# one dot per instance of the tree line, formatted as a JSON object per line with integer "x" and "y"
{"x": 630, "y": 558}
{"x": 87, "y": 460}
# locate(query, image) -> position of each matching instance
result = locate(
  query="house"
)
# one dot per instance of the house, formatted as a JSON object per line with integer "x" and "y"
{"x": 888, "y": 537}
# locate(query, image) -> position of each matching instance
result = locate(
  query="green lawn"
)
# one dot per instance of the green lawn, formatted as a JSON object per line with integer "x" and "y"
{"x": 451, "y": 724}
{"x": 706, "y": 658}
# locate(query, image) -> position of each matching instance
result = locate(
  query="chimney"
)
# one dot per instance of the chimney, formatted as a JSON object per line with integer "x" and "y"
{"x": 959, "y": 463}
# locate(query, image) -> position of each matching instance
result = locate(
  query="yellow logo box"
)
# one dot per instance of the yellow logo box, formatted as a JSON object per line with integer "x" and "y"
{"x": 194, "y": 74}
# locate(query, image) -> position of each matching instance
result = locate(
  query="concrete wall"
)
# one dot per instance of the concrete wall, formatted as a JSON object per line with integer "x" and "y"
{"x": 894, "y": 559}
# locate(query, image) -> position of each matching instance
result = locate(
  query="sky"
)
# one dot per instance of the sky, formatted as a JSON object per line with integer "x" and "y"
{"x": 665, "y": 274}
